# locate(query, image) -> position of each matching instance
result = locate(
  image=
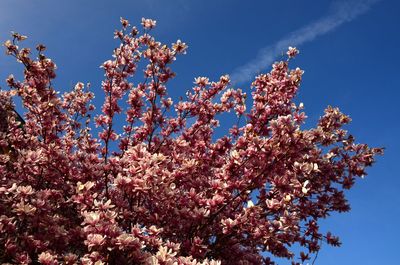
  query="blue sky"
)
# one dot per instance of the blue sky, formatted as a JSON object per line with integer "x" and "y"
{"x": 349, "y": 51}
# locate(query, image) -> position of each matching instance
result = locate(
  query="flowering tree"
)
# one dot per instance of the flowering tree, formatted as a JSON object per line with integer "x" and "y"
{"x": 160, "y": 190}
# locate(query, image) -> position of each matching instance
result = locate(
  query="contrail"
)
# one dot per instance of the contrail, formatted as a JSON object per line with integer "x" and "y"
{"x": 340, "y": 13}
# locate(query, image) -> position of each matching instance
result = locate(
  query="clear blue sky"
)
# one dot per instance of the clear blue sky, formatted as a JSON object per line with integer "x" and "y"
{"x": 350, "y": 57}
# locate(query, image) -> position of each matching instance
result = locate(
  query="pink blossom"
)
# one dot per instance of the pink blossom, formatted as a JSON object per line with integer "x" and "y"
{"x": 292, "y": 52}
{"x": 47, "y": 258}
{"x": 94, "y": 240}
{"x": 148, "y": 23}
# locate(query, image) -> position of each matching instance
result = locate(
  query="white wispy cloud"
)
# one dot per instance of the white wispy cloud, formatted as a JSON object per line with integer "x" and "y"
{"x": 340, "y": 13}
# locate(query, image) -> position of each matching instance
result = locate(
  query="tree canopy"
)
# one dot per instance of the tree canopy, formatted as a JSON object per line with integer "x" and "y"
{"x": 160, "y": 189}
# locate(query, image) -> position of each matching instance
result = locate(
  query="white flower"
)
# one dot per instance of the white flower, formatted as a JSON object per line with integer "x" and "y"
{"x": 304, "y": 189}
{"x": 250, "y": 204}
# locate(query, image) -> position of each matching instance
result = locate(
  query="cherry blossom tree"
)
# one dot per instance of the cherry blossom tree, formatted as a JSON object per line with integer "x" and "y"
{"x": 159, "y": 189}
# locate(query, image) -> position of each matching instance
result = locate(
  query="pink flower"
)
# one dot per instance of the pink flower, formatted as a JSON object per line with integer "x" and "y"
{"x": 94, "y": 240}
{"x": 201, "y": 81}
{"x": 179, "y": 47}
{"x": 47, "y": 258}
{"x": 292, "y": 52}
{"x": 148, "y": 23}
{"x": 273, "y": 204}
{"x": 128, "y": 241}
{"x": 124, "y": 22}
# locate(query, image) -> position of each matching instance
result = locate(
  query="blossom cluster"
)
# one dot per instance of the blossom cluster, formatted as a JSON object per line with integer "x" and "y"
{"x": 163, "y": 189}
